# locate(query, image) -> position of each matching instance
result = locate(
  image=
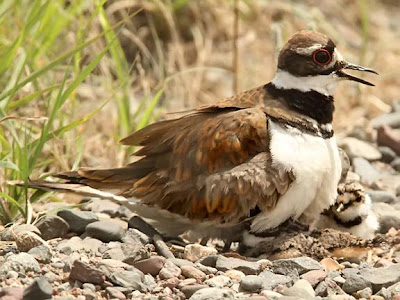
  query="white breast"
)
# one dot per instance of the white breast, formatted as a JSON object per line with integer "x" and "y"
{"x": 316, "y": 165}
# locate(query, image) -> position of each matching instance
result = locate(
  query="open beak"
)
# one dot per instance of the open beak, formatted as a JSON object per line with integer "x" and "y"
{"x": 345, "y": 65}
{"x": 340, "y": 207}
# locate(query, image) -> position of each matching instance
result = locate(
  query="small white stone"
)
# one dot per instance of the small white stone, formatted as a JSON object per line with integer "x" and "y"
{"x": 194, "y": 252}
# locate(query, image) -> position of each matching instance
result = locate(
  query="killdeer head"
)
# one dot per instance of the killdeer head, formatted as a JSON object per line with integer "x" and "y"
{"x": 352, "y": 201}
{"x": 310, "y": 61}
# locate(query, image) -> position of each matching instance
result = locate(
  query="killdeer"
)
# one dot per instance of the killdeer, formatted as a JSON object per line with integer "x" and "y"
{"x": 261, "y": 158}
{"x": 351, "y": 212}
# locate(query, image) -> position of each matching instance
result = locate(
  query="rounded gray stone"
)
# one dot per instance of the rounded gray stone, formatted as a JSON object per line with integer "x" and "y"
{"x": 52, "y": 227}
{"x": 355, "y": 283}
{"x": 21, "y": 263}
{"x": 105, "y": 231}
{"x": 301, "y": 264}
{"x": 212, "y": 294}
{"x": 77, "y": 220}
{"x": 381, "y": 196}
{"x": 251, "y": 283}
{"x": 388, "y": 155}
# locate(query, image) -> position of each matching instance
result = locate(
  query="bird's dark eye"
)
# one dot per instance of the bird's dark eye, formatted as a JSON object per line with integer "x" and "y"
{"x": 359, "y": 198}
{"x": 322, "y": 57}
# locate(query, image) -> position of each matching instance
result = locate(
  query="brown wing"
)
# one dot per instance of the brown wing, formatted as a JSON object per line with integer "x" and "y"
{"x": 213, "y": 164}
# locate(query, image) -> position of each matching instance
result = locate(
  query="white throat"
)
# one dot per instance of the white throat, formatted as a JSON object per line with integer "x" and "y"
{"x": 324, "y": 84}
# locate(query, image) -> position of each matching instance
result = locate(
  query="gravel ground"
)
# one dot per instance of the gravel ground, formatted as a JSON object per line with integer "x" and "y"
{"x": 103, "y": 251}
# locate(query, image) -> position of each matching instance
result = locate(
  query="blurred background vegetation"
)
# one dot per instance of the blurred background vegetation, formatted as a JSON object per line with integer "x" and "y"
{"x": 76, "y": 76}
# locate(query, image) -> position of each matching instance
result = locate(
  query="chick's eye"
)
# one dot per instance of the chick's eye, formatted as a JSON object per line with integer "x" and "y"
{"x": 359, "y": 198}
{"x": 322, "y": 57}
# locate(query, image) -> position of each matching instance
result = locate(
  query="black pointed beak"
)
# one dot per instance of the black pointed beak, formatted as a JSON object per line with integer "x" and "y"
{"x": 346, "y": 65}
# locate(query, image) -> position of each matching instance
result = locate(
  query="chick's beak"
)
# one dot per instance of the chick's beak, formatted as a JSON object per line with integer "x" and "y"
{"x": 345, "y": 65}
{"x": 340, "y": 207}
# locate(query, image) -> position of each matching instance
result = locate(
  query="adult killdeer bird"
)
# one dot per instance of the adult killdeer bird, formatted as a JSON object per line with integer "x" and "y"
{"x": 263, "y": 157}
{"x": 351, "y": 212}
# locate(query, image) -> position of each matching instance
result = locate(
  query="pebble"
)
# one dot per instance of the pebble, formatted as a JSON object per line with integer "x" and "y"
{"x": 301, "y": 288}
{"x": 391, "y": 119}
{"x": 230, "y": 263}
{"x": 367, "y": 172}
{"x": 132, "y": 279}
{"x": 134, "y": 236}
{"x": 358, "y": 148}
{"x": 396, "y": 164}
{"x": 381, "y": 277}
{"x": 21, "y": 263}
{"x": 300, "y": 264}
{"x": 387, "y": 216}
{"x": 364, "y": 293}
{"x": 381, "y": 196}
{"x": 115, "y": 293}
{"x": 189, "y": 290}
{"x": 105, "y": 231}
{"x": 329, "y": 265}
{"x": 388, "y": 155}
{"x": 77, "y": 220}
{"x": 314, "y": 276}
{"x": 271, "y": 294}
{"x": 27, "y": 240}
{"x": 192, "y": 272}
{"x": 133, "y": 253}
{"x": 41, "y": 253}
{"x": 355, "y": 283}
{"x": 151, "y": 265}
{"x": 11, "y": 293}
{"x": 252, "y": 283}
{"x": 102, "y": 206}
{"x": 235, "y": 275}
{"x": 194, "y": 252}
{"x": 218, "y": 281}
{"x": 169, "y": 270}
{"x": 212, "y": 294}
{"x": 86, "y": 273}
{"x": 209, "y": 261}
{"x": 52, "y": 227}
{"x": 39, "y": 289}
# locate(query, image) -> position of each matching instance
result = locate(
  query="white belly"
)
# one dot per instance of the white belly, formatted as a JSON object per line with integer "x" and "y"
{"x": 316, "y": 165}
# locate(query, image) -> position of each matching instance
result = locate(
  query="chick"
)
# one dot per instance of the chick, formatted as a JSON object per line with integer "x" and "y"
{"x": 352, "y": 212}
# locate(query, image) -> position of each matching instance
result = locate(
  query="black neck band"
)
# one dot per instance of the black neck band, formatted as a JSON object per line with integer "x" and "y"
{"x": 312, "y": 104}
{"x": 348, "y": 224}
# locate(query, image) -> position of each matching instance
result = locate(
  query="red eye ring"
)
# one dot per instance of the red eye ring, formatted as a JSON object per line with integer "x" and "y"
{"x": 325, "y": 59}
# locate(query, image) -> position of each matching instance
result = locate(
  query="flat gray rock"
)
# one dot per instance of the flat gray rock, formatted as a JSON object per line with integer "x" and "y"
{"x": 388, "y": 216}
{"x": 301, "y": 264}
{"x": 381, "y": 196}
{"x": 355, "y": 283}
{"x": 381, "y": 277}
{"x": 77, "y": 220}
{"x": 392, "y": 120}
{"x": 41, "y": 253}
{"x": 230, "y": 263}
{"x": 132, "y": 279}
{"x": 358, "y": 148}
{"x": 105, "y": 231}
{"x": 271, "y": 280}
{"x": 365, "y": 170}
{"x": 212, "y": 294}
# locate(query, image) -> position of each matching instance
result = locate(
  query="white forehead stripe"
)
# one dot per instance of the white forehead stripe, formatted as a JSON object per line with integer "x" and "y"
{"x": 308, "y": 50}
